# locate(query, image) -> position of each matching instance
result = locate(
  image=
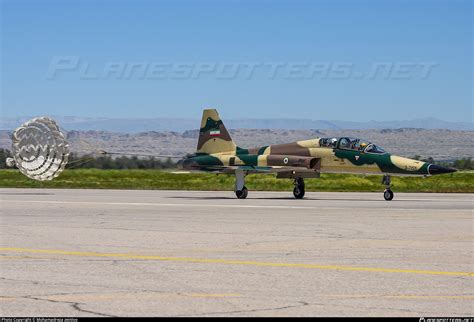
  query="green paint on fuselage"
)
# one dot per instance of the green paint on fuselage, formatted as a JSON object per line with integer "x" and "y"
{"x": 249, "y": 159}
{"x": 240, "y": 151}
{"x": 262, "y": 149}
{"x": 357, "y": 158}
{"x": 207, "y": 160}
{"x": 382, "y": 160}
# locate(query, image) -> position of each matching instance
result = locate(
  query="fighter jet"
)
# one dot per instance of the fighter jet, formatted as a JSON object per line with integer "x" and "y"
{"x": 217, "y": 153}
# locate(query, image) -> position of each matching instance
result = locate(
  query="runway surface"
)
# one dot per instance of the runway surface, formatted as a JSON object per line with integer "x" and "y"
{"x": 179, "y": 253}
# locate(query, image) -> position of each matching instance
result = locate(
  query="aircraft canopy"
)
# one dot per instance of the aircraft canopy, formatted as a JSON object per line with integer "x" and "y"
{"x": 349, "y": 143}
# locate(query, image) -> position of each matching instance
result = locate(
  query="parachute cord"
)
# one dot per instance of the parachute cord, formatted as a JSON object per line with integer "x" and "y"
{"x": 80, "y": 159}
{"x": 83, "y": 160}
{"x": 142, "y": 155}
{"x": 79, "y": 162}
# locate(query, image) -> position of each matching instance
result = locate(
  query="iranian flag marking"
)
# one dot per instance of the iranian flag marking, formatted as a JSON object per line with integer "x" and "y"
{"x": 215, "y": 133}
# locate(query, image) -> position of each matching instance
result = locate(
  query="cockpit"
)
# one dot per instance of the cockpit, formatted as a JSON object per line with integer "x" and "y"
{"x": 372, "y": 148}
{"x": 348, "y": 143}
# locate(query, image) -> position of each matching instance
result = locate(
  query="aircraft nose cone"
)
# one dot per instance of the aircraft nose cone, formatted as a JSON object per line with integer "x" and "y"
{"x": 437, "y": 169}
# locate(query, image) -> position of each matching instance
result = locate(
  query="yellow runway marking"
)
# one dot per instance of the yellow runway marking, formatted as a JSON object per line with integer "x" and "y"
{"x": 3, "y": 298}
{"x": 235, "y": 262}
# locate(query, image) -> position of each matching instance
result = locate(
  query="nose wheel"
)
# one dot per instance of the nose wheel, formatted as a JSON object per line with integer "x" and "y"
{"x": 298, "y": 191}
{"x": 388, "y": 193}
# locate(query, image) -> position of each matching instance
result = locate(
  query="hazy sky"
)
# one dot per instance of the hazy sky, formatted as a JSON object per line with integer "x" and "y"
{"x": 344, "y": 60}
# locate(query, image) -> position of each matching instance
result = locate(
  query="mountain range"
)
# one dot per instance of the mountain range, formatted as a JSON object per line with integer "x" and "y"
{"x": 136, "y": 125}
{"x": 439, "y": 144}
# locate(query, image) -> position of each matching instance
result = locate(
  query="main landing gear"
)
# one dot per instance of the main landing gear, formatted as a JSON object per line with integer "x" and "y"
{"x": 388, "y": 193}
{"x": 240, "y": 189}
{"x": 298, "y": 191}
{"x": 242, "y": 192}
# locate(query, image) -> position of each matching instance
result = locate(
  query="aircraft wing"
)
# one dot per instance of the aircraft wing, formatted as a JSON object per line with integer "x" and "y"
{"x": 282, "y": 171}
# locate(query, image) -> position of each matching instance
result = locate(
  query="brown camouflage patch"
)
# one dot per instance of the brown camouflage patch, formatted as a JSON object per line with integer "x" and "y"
{"x": 294, "y": 161}
{"x": 289, "y": 149}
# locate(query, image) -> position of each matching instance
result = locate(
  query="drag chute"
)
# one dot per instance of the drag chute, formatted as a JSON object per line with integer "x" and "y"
{"x": 40, "y": 150}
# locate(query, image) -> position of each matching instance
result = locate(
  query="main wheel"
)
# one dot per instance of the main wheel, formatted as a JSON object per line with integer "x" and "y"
{"x": 298, "y": 192}
{"x": 388, "y": 194}
{"x": 242, "y": 194}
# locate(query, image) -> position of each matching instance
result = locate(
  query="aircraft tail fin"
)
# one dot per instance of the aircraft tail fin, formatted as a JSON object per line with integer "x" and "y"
{"x": 213, "y": 136}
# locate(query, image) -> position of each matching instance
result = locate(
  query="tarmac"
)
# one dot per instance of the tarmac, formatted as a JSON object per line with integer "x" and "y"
{"x": 185, "y": 253}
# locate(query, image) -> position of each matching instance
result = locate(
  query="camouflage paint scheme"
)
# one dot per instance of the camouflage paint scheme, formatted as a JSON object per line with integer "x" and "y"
{"x": 216, "y": 152}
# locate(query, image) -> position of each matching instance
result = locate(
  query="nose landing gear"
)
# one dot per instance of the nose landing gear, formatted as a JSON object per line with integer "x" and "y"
{"x": 298, "y": 191}
{"x": 388, "y": 193}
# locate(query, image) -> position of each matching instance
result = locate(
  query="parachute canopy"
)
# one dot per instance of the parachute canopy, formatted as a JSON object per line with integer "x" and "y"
{"x": 40, "y": 150}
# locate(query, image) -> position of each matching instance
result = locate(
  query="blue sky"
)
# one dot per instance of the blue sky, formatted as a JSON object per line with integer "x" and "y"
{"x": 360, "y": 36}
